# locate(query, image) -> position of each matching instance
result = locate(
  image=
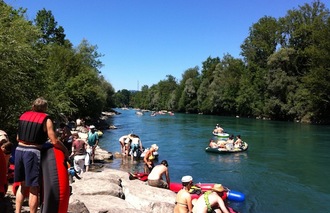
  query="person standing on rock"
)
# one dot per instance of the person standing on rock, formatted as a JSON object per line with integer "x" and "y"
{"x": 34, "y": 129}
{"x": 155, "y": 177}
{"x": 93, "y": 141}
{"x": 79, "y": 152}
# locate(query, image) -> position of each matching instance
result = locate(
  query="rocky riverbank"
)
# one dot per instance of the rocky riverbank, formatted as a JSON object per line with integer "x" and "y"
{"x": 111, "y": 191}
{"x": 108, "y": 190}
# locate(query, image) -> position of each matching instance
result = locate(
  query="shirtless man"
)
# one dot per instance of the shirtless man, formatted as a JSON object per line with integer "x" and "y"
{"x": 218, "y": 129}
{"x": 155, "y": 177}
{"x": 211, "y": 201}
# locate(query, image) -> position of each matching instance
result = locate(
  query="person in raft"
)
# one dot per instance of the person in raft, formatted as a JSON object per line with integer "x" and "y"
{"x": 218, "y": 129}
{"x": 34, "y": 129}
{"x": 149, "y": 158}
{"x": 155, "y": 177}
{"x": 238, "y": 143}
{"x": 211, "y": 201}
{"x": 183, "y": 198}
{"x": 213, "y": 144}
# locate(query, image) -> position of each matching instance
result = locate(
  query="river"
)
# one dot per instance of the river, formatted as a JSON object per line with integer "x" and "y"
{"x": 285, "y": 169}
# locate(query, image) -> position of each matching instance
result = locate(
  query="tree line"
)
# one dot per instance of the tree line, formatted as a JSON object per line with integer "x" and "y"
{"x": 283, "y": 74}
{"x": 37, "y": 60}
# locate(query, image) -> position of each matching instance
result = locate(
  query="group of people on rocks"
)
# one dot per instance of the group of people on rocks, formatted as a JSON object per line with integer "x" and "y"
{"x": 130, "y": 144}
{"x": 35, "y": 130}
{"x": 82, "y": 150}
{"x": 158, "y": 176}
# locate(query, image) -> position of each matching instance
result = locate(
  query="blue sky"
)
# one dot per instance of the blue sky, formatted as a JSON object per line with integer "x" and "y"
{"x": 144, "y": 40}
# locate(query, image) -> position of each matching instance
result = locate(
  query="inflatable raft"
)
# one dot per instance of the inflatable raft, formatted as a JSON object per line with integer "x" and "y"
{"x": 225, "y": 151}
{"x": 196, "y": 191}
{"x": 55, "y": 189}
{"x": 221, "y": 135}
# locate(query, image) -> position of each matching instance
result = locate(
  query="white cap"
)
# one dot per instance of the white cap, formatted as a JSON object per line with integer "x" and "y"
{"x": 92, "y": 127}
{"x": 186, "y": 179}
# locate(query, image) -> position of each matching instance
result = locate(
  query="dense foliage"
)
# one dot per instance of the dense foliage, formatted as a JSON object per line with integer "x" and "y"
{"x": 36, "y": 60}
{"x": 283, "y": 74}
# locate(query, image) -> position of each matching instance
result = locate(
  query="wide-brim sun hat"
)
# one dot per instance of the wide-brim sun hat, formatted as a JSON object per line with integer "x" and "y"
{"x": 218, "y": 188}
{"x": 154, "y": 146}
{"x": 186, "y": 179}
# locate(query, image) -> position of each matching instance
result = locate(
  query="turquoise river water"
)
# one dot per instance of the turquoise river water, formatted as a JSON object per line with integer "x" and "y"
{"x": 285, "y": 169}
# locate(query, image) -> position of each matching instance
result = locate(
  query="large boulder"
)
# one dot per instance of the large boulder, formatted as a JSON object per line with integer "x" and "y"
{"x": 111, "y": 191}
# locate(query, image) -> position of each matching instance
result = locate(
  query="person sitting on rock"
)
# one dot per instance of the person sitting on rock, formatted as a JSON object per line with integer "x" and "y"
{"x": 155, "y": 177}
{"x": 183, "y": 198}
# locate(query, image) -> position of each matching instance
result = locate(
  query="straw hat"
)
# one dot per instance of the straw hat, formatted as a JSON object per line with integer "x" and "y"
{"x": 154, "y": 146}
{"x": 218, "y": 188}
{"x": 186, "y": 179}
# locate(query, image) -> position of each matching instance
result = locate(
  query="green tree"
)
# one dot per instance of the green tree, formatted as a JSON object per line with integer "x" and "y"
{"x": 187, "y": 90}
{"x": 21, "y": 77}
{"x": 45, "y": 21}
{"x": 122, "y": 98}
{"x": 204, "y": 101}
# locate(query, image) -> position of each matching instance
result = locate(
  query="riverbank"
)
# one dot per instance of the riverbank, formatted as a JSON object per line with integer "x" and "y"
{"x": 109, "y": 190}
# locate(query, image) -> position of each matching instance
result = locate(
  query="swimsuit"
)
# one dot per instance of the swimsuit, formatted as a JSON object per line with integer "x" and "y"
{"x": 151, "y": 157}
{"x": 207, "y": 202}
